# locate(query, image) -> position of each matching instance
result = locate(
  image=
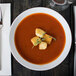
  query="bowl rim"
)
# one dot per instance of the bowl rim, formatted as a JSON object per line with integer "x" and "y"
{"x": 18, "y": 57}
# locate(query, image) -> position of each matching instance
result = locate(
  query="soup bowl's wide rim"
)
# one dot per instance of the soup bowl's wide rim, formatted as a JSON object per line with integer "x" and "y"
{"x": 67, "y": 44}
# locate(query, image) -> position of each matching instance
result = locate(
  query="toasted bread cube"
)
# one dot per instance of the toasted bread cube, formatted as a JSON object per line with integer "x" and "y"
{"x": 48, "y": 38}
{"x": 39, "y": 32}
{"x": 42, "y": 45}
{"x": 36, "y": 40}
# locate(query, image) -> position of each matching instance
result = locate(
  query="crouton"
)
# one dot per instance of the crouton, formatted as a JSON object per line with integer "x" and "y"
{"x": 47, "y": 38}
{"x": 35, "y": 40}
{"x": 39, "y": 32}
{"x": 42, "y": 45}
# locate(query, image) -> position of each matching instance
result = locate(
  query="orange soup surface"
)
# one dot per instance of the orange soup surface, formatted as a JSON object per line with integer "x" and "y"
{"x": 26, "y": 30}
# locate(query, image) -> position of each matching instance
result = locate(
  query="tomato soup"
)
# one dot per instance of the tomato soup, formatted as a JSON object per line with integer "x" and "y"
{"x": 26, "y": 30}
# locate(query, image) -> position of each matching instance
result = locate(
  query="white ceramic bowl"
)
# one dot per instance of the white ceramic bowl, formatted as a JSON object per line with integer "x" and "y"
{"x": 67, "y": 44}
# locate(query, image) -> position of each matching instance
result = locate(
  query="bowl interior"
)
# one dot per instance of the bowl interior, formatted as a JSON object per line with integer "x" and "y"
{"x": 67, "y": 34}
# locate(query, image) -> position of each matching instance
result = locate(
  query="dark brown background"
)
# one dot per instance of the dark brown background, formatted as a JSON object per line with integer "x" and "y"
{"x": 66, "y": 67}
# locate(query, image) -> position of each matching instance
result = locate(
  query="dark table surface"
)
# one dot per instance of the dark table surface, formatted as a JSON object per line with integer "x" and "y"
{"x": 66, "y": 67}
